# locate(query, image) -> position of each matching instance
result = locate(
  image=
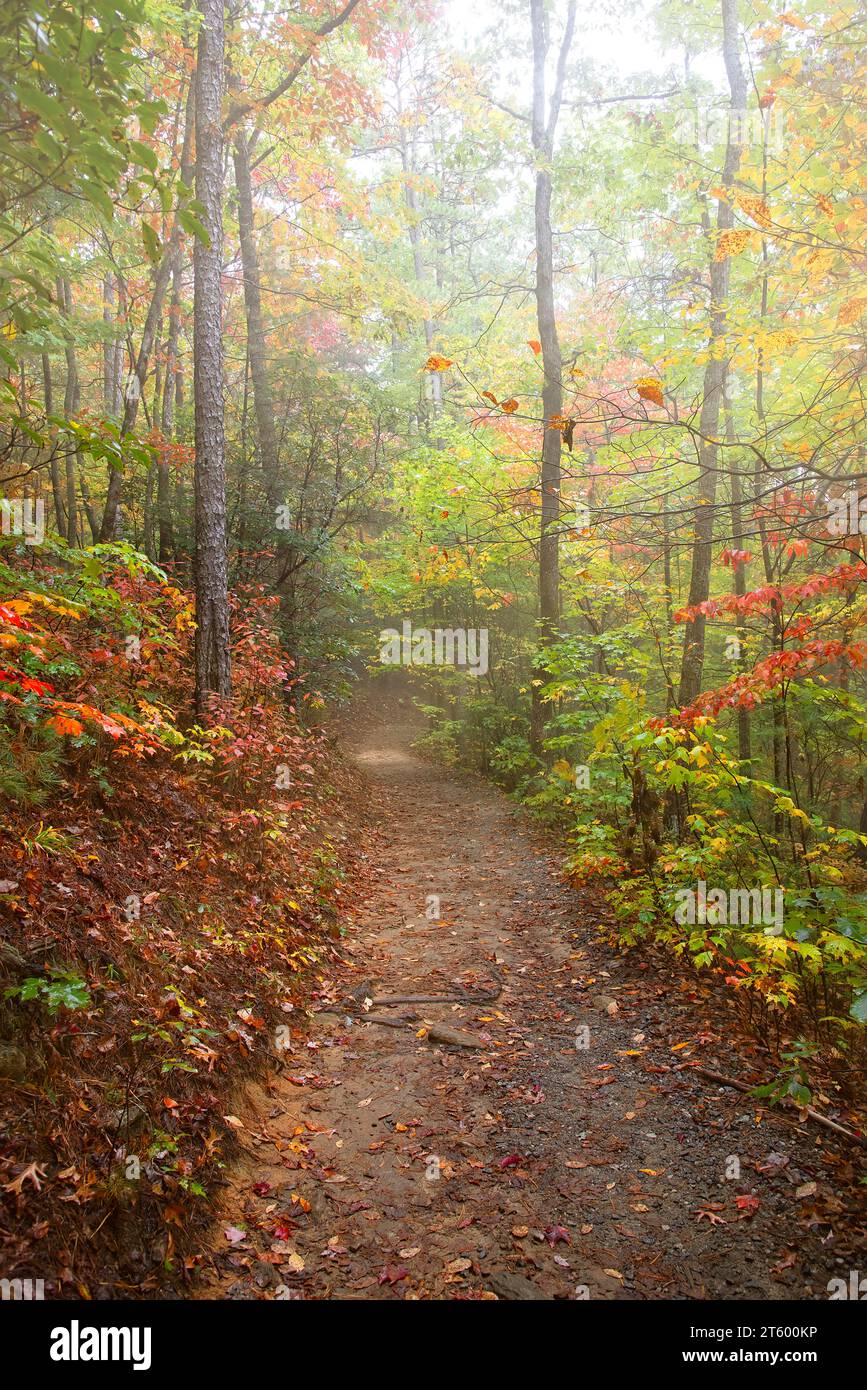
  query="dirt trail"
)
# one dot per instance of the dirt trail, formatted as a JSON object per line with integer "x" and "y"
{"x": 530, "y": 1167}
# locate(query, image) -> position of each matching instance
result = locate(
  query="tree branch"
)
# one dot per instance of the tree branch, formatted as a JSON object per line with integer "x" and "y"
{"x": 557, "y": 94}
{"x": 242, "y": 107}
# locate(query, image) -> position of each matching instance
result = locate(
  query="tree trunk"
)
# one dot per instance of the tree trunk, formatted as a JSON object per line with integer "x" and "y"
{"x": 692, "y": 663}
{"x": 135, "y": 385}
{"x": 544, "y": 128}
{"x": 263, "y": 400}
{"x": 90, "y": 510}
{"x": 213, "y": 674}
{"x": 112, "y": 360}
{"x": 71, "y": 402}
{"x": 172, "y": 396}
{"x": 436, "y": 378}
{"x": 740, "y": 579}
{"x": 56, "y": 488}
{"x": 173, "y": 386}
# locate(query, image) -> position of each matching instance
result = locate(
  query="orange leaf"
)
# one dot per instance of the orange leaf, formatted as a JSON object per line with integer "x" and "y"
{"x": 756, "y": 208}
{"x": 489, "y": 396}
{"x": 851, "y": 310}
{"x": 649, "y": 389}
{"x": 731, "y": 244}
{"x": 509, "y": 406}
{"x": 437, "y": 364}
{"x": 61, "y": 725}
{"x": 536, "y": 346}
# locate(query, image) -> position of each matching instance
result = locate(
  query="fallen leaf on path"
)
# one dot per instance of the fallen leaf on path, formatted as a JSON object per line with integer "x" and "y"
{"x": 555, "y": 1234}
{"x": 31, "y": 1174}
{"x": 772, "y": 1163}
{"x": 710, "y": 1214}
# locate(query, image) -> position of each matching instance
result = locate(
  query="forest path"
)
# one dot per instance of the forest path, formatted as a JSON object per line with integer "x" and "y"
{"x": 528, "y": 1167}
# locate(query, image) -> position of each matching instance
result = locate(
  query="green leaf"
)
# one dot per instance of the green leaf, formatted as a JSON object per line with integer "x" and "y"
{"x": 152, "y": 244}
{"x": 97, "y": 195}
{"x": 144, "y": 154}
{"x": 68, "y": 992}
{"x": 858, "y": 1010}
{"x": 191, "y": 224}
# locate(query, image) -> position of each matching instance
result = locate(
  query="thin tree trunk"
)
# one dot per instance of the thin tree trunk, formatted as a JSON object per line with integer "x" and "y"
{"x": 136, "y": 382}
{"x": 56, "y": 487}
{"x": 740, "y": 583}
{"x": 213, "y": 671}
{"x": 544, "y": 128}
{"x": 71, "y": 401}
{"x": 768, "y": 560}
{"x": 263, "y": 399}
{"x": 90, "y": 510}
{"x": 111, "y": 358}
{"x": 172, "y": 397}
{"x": 669, "y": 613}
{"x": 148, "y": 523}
{"x": 692, "y": 664}
{"x": 436, "y": 378}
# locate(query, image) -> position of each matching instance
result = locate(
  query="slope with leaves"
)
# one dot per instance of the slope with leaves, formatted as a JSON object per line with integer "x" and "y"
{"x": 172, "y": 894}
